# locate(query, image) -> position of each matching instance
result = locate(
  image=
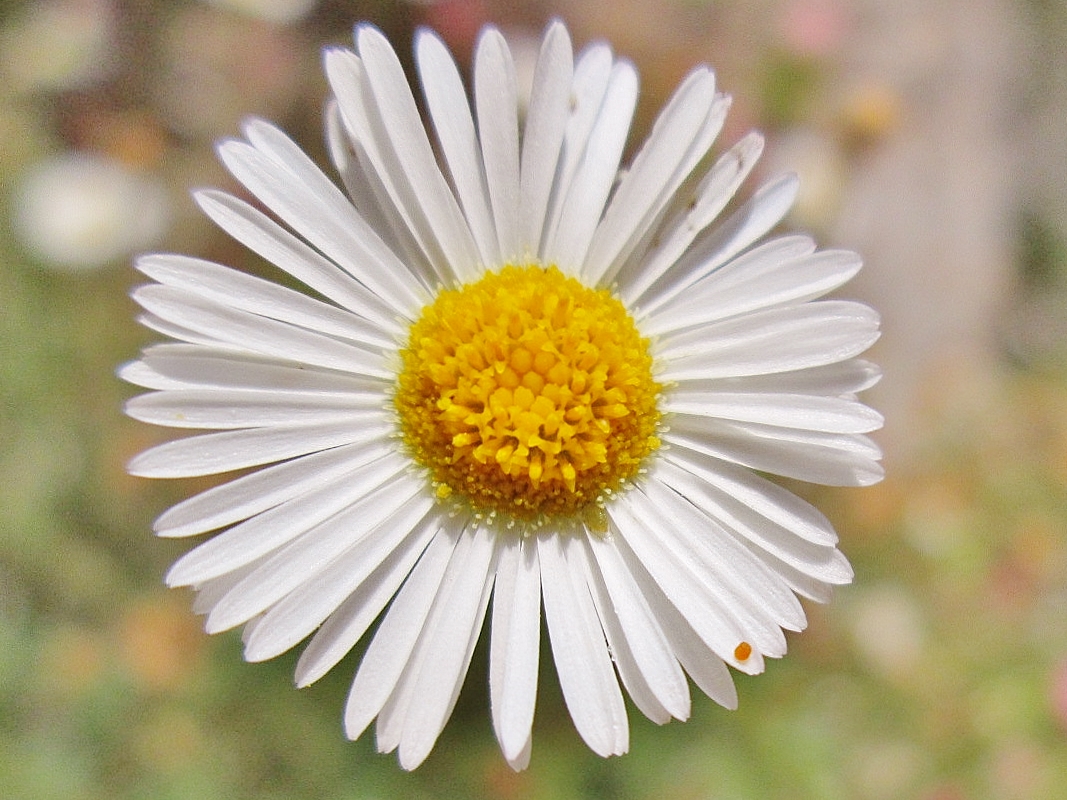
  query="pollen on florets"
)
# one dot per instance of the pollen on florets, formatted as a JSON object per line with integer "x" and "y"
{"x": 528, "y": 396}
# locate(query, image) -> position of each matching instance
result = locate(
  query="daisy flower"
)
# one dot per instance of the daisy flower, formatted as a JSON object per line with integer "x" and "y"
{"x": 521, "y": 378}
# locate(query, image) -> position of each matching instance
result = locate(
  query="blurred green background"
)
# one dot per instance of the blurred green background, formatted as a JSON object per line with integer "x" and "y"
{"x": 929, "y": 136}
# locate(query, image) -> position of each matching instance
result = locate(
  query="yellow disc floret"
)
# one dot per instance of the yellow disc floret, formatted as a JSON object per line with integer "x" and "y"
{"x": 528, "y": 395}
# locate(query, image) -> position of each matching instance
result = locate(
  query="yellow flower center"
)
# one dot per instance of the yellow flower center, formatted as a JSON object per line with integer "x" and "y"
{"x": 528, "y": 396}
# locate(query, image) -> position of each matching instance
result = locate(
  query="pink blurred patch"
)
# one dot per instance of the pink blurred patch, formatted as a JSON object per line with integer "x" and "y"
{"x": 814, "y": 27}
{"x": 1058, "y": 694}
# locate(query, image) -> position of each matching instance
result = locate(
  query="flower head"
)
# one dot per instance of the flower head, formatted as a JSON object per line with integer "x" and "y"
{"x": 519, "y": 376}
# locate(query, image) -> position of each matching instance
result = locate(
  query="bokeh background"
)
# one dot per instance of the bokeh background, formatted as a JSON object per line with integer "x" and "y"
{"x": 929, "y": 134}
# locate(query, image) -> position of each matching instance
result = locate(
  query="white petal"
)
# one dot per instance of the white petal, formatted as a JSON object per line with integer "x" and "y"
{"x": 690, "y": 218}
{"x": 592, "y": 73}
{"x": 389, "y": 650}
{"x": 497, "y": 103}
{"x": 246, "y": 292}
{"x": 265, "y": 237}
{"x": 746, "y": 525}
{"x": 212, "y": 453}
{"x": 210, "y": 592}
{"x": 257, "y": 334}
{"x": 258, "y": 491}
{"x": 842, "y": 378}
{"x": 445, "y": 649}
{"x": 744, "y": 584}
{"x": 304, "y": 557}
{"x": 638, "y": 646}
{"x": 445, "y": 227}
{"x": 641, "y": 525}
{"x": 707, "y": 670}
{"x": 329, "y": 222}
{"x": 392, "y": 725}
{"x": 770, "y": 341}
{"x": 379, "y": 163}
{"x": 752, "y": 282}
{"x": 264, "y": 533}
{"x": 333, "y": 210}
{"x": 804, "y": 412}
{"x": 175, "y": 366}
{"x": 368, "y": 192}
{"x": 825, "y": 458}
{"x": 584, "y": 196}
{"x": 306, "y": 607}
{"x": 182, "y": 333}
{"x": 678, "y": 140}
{"x": 746, "y": 225}
{"x": 350, "y": 621}
{"x": 446, "y": 101}
{"x": 586, "y": 677}
{"x": 546, "y": 123}
{"x": 514, "y": 644}
{"x": 767, "y": 499}
{"x": 234, "y": 408}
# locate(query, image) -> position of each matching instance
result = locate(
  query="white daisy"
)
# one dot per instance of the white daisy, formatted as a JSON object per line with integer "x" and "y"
{"x": 523, "y": 377}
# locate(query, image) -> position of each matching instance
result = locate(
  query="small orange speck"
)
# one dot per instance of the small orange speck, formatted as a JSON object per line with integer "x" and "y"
{"x": 743, "y": 651}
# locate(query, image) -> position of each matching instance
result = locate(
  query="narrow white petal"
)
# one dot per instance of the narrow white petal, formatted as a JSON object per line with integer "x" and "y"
{"x": 265, "y": 237}
{"x": 583, "y": 203}
{"x": 304, "y": 558}
{"x": 590, "y": 688}
{"x": 141, "y": 374}
{"x": 745, "y": 585}
{"x": 364, "y": 189}
{"x": 181, "y": 332}
{"x": 257, "y": 334}
{"x": 765, "y": 498}
{"x": 831, "y": 380}
{"x": 354, "y": 616}
{"x": 805, "y": 412}
{"x": 446, "y": 101}
{"x": 391, "y": 727}
{"x": 825, "y": 458}
{"x": 388, "y": 653}
{"x": 496, "y": 104}
{"x": 677, "y": 141}
{"x": 695, "y": 600}
{"x": 546, "y": 123}
{"x": 638, "y": 645}
{"x": 258, "y": 491}
{"x": 211, "y": 453}
{"x": 750, "y": 283}
{"x": 592, "y": 73}
{"x": 264, "y": 533}
{"x": 305, "y": 608}
{"x": 747, "y": 525}
{"x": 233, "y": 408}
{"x": 514, "y": 645}
{"x": 691, "y": 219}
{"x": 770, "y": 341}
{"x": 210, "y": 592}
{"x": 707, "y": 670}
{"x": 755, "y": 218}
{"x": 399, "y": 116}
{"x": 183, "y": 366}
{"x": 246, "y": 292}
{"x": 446, "y": 647}
{"x": 329, "y": 222}
{"x": 333, "y": 210}
{"x": 394, "y": 202}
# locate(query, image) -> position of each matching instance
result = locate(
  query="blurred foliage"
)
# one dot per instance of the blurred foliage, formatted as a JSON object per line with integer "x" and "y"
{"x": 941, "y": 674}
